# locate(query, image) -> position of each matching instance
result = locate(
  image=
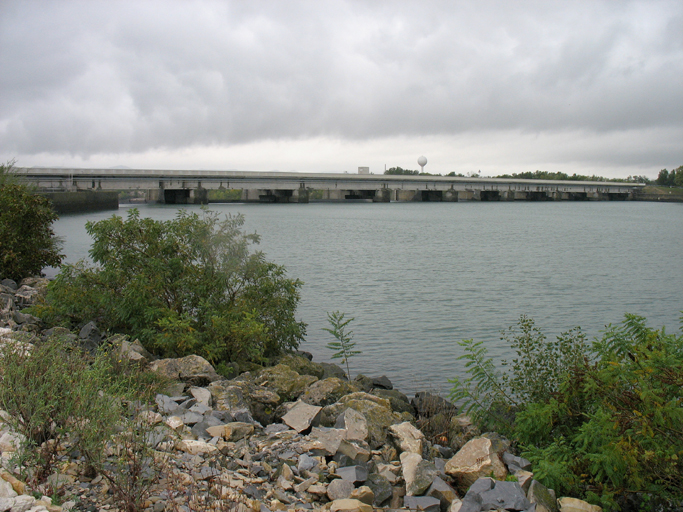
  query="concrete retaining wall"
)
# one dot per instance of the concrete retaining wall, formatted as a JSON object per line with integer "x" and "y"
{"x": 82, "y": 201}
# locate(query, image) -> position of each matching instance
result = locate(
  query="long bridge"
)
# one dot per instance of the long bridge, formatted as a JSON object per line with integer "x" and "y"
{"x": 192, "y": 186}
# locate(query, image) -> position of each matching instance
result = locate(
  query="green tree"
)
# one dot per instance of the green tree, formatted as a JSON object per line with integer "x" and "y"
{"x": 187, "y": 285}
{"x": 401, "y": 171}
{"x": 27, "y": 241}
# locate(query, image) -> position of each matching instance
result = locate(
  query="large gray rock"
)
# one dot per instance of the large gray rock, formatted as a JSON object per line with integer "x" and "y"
{"x": 327, "y": 391}
{"x": 340, "y": 489}
{"x": 377, "y": 413}
{"x": 353, "y": 474}
{"x": 131, "y": 351}
{"x": 90, "y": 337}
{"x": 302, "y": 416}
{"x": 303, "y": 365}
{"x": 399, "y": 402}
{"x": 380, "y": 486}
{"x": 287, "y": 383}
{"x": 422, "y": 503}
{"x": 543, "y": 497}
{"x": 443, "y": 492}
{"x": 504, "y": 495}
{"x": 418, "y": 474}
{"x": 355, "y": 453}
{"x": 226, "y": 396}
{"x": 192, "y": 369}
{"x": 324, "y": 441}
{"x": 428, "y": 405}
{"x": 515, "y": 463}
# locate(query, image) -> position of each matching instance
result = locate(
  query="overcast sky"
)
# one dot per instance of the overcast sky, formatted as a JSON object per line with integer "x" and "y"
{"x": 592, "y": 87}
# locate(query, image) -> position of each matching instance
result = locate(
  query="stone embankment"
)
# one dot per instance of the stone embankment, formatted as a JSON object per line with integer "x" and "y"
{"x": 294, "y": 436}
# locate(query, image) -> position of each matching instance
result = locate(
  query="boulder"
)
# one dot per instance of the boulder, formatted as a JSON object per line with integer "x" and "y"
{"x": 382, "y": 382}
{"x": 381, "y": 488}
{"x": 349, "y": 505}
{"x": 90, "y": 337}
{"x": 364, "y": 494}
{"x": 192, "y": 369}
{"x": 515, "y": 463}
{"x": 303, "y": 365}
{"x": 525, "y": 479}
{"x": 287, "y": 383}
{"x": 332, "y": 370}
{"x": 504, "y": 495}
{"x": 364, "y": 383}
{"x": 197, "y": 447}
{"x": 422, "y": 503}
{"x": 9, "y": 283}
{"x": 302, "y": 416}
{"x": 543, "y": 497}
{"x": 233, "y": 431}
{"x": 443, "y": 492}
{"x": 324, "y": 441}
{"x": 133, "y": 351}
{"x": 376, "y": 411}
{"x": 427, "y": 405}
{"x": 202, "y": 395}
{"x": 354, "y": 423}
{"x": 418, "y": 474}
{"x": 327, "y": 391}
{"x": 407, "y": 438}
{"x": 475, "y": 460}
{"x": 353, "y": 451}
{"x": 399, "y": 402}
{"x": 226, "y": 396}
{"x": 576, "y": 505}
{"x": 339, "y": 489}
{"x": 460, "y": 430}
{"x": 353, "y": 474}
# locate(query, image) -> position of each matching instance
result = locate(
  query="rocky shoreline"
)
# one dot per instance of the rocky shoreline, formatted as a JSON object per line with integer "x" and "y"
{"x": 293, "y": 436}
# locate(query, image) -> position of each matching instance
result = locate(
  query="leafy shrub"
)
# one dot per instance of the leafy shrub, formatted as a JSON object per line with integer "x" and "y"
{"x": 603, "y": 424}
{"x": 47, "y": 391}
{"x": 184, "y": 286}
{"x": 27, "y": 242}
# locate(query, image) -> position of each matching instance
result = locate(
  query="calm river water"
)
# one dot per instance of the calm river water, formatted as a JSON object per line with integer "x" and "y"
{"x": 418, "y": 277}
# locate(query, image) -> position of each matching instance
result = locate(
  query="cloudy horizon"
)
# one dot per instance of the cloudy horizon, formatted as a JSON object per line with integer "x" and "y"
{"x": 586, "y": 87}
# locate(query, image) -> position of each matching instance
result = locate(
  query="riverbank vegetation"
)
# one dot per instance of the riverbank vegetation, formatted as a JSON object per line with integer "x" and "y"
{"x": 600, "y": 421}
{"x": 190, "y": 285}
{"x": 27, "y": 241}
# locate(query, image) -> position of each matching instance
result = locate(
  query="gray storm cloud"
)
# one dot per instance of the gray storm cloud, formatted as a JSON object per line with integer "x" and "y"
{"x": 106, "y": 77}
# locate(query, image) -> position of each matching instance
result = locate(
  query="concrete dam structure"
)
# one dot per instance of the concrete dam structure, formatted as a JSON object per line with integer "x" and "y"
{"x": 186, "y": 187}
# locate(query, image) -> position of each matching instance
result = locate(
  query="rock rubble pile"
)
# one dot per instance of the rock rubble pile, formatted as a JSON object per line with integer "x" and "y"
{"x": 294, "y": 436}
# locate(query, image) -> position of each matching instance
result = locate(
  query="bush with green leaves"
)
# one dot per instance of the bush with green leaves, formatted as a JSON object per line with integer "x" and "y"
{"x": 190, "y": 285}
{"x": 49, "y": 390}
{"x": 600, "y": 422}
{"x": 27, "y": 241}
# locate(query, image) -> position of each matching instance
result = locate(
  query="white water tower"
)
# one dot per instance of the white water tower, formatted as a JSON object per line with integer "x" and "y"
{"x": 422, "y": 161}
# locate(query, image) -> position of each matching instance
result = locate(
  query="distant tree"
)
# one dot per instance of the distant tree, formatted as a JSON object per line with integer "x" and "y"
{"x": 453, "y": 174}
{"x": 27, "y": 241}
{"x": 399, "y": 170}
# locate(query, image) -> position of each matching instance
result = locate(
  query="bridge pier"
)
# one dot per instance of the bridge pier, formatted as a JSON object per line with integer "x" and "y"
{"x": 383, "y": 195}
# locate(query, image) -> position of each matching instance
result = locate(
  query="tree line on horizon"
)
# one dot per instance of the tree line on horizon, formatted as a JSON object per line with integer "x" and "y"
{"x": 665, "y": 178}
